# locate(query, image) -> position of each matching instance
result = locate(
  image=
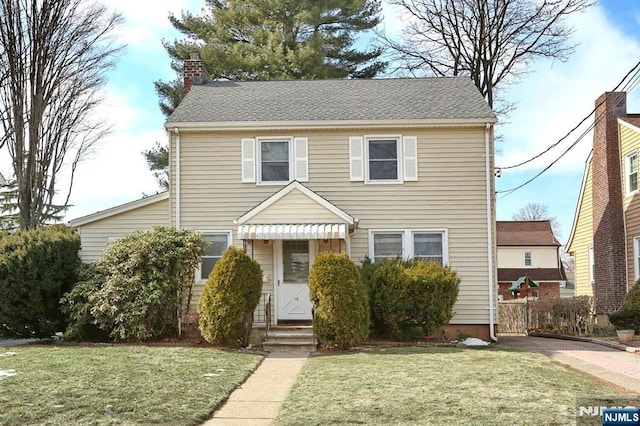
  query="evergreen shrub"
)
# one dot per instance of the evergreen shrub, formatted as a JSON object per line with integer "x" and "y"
{"x": 629, "y": 314}
{"x": 140, "y": 288}
{"x": 230, "y": 296}
{"x": 409, "y": 299}
{"x": 36, "y": 268}
{"x": 340, "y": 300}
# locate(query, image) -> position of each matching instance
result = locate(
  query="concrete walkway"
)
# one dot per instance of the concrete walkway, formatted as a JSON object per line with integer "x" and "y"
{"x": 614, "y": 366}
{"x": 258, "y": 399}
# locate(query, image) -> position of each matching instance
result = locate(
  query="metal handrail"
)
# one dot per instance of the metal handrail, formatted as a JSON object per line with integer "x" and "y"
{"x": 268, "y": 314}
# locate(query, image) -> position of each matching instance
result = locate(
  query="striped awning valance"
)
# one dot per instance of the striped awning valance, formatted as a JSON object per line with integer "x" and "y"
{"x": 324, "y": 231}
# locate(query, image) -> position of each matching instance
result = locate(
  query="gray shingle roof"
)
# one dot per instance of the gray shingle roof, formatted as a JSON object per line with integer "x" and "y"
{"x": 434, "y": 98}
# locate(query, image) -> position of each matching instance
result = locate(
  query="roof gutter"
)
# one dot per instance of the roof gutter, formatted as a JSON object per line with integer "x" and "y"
{"x": 177, "y": 132}
{"x": 490, "y": 251}
{"x": 333, "y": 124}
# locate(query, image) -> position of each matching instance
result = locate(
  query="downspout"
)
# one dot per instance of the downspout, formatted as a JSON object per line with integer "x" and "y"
{"x": 177, "y": 132}
{"x": 490, "y": 250}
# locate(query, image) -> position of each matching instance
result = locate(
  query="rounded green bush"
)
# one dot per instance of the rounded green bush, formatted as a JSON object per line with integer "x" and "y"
{"x": 433, "y": 292}
{"x": 36, "y": 268}
{"x": 410, "y": 299}
{"x": 230, "y": 296}
{"x": 340, "y": 300}
{"x": 629, "y": 314}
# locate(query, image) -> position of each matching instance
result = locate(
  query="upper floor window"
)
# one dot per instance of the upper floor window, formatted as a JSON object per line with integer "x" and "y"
{"x": 383, "y": 158}
{"x": 527, "y": 258}
{"x": 632, "y": 172}
{"x": 408, "y": 244}
{"x": 218, "y": 244}
{"x": 274, "y": 160}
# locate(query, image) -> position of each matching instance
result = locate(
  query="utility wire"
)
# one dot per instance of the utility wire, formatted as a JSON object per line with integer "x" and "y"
{"x": 635, "y": 69}
{"x": 629, "y": 86}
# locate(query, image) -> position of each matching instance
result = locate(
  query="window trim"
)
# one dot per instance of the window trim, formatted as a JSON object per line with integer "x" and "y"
{"x": 627, "y": 174}
{"x": 226, "y": 232}
{"x": 399, "y": 159}
{"x": 258, "y": 152}
{"x": 530, "y": 265}
{"x": 592, "y": 265}
{"x": 408, "y": 241}
{"x": 636, "y": 258}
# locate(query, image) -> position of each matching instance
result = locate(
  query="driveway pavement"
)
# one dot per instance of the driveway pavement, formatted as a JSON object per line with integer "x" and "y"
{"x": 614, "y": 366}
{"x": 15, "y": 342}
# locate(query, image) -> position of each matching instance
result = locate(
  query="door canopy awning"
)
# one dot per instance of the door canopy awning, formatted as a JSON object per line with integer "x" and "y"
{"x": 516, "y": 284}
{"x": 325, "y": 231}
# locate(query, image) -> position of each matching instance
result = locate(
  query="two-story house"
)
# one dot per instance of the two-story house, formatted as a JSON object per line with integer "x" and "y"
{"x": 529, "y": 263}
{"x": 605, "y": 238}
{"x": 287, "y": 169}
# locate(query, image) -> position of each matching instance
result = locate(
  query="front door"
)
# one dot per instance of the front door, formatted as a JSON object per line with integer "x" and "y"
{"x": 292, "y": 284}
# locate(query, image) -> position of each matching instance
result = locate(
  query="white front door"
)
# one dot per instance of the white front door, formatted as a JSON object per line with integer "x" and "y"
{"x": 292, "y": 287}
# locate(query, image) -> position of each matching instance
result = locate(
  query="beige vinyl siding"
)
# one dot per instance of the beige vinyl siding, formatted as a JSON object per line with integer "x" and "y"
{"x": 94, "y": 236}
{"x": 450, "y": 194}
{"x": 541, "y": 257}
{"x": 288, "y": 208}
{"x": 583, "y": 238}
{"x": 630, "y": 142}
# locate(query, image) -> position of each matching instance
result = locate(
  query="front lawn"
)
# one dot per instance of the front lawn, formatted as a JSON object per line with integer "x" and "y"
{"x": 436, "y": 386}
{"x": 116, "y": 384}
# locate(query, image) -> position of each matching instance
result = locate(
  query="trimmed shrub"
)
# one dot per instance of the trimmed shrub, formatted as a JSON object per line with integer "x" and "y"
{"x": 629, "y": 314}
{"x": 432, "y": 292}
{"x": 340, "y": 301}
{"x": 36, "y": 268}
{"x": 230, "y": 296}
{"x": 141, "y": 286}
{"x": 410, "y": 299}
{"x": 388, "y": 285}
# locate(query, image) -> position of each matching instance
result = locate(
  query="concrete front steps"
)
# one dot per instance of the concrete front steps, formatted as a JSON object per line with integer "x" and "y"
{"x": 290, "y": 339}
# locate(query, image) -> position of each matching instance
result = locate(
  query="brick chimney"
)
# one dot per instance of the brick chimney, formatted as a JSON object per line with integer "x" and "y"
{"x": 610, "y": 278}
{"x": 193, "y": 72}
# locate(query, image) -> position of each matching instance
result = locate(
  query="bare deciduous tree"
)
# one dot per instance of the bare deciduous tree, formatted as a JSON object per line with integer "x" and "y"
{"x": 489, "y": 40}
{"x": 53, "y": 59}
{"x": 537, "y": 211}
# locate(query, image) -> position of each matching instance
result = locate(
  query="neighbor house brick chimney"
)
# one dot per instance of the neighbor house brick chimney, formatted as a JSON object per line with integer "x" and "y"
{"x": 193, "y": 72}
{"x": 610, "y": 280}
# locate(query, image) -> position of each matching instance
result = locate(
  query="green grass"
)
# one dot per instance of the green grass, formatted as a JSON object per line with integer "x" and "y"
{"x": 104, "y": 385}
{"x": 405, "y": 386}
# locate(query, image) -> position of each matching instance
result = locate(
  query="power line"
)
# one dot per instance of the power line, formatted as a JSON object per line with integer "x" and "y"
{"x": 636, "y": 77}
{"x": 628, "y": 87}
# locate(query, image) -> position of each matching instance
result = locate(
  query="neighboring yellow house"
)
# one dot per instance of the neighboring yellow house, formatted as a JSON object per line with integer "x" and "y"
{"x": 605, "y": 239}
{"x": 378, "y": 168}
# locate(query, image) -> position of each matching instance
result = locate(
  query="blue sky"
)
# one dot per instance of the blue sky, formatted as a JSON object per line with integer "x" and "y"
{"x": 550, "y": 100}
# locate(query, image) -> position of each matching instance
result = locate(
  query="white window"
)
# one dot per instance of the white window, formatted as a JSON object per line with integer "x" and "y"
{"x": 274, "y": 160}
{"x": 383, "y": 158}
{"x": 636, "y": 257}
{"x": 592, "y": 266}
{"x": 387, "y": 245}
{"x": 527, "y": 258}
{"x": 428, "y": 246}
{"x": 632, "y": 172}
{"x": 274, "y": 165}
{"x": 407, "y": 244}
{"x": 218, "y": 243}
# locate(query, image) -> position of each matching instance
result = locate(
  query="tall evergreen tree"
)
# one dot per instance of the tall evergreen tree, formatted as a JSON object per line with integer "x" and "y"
{"x": 272, "y": 40}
